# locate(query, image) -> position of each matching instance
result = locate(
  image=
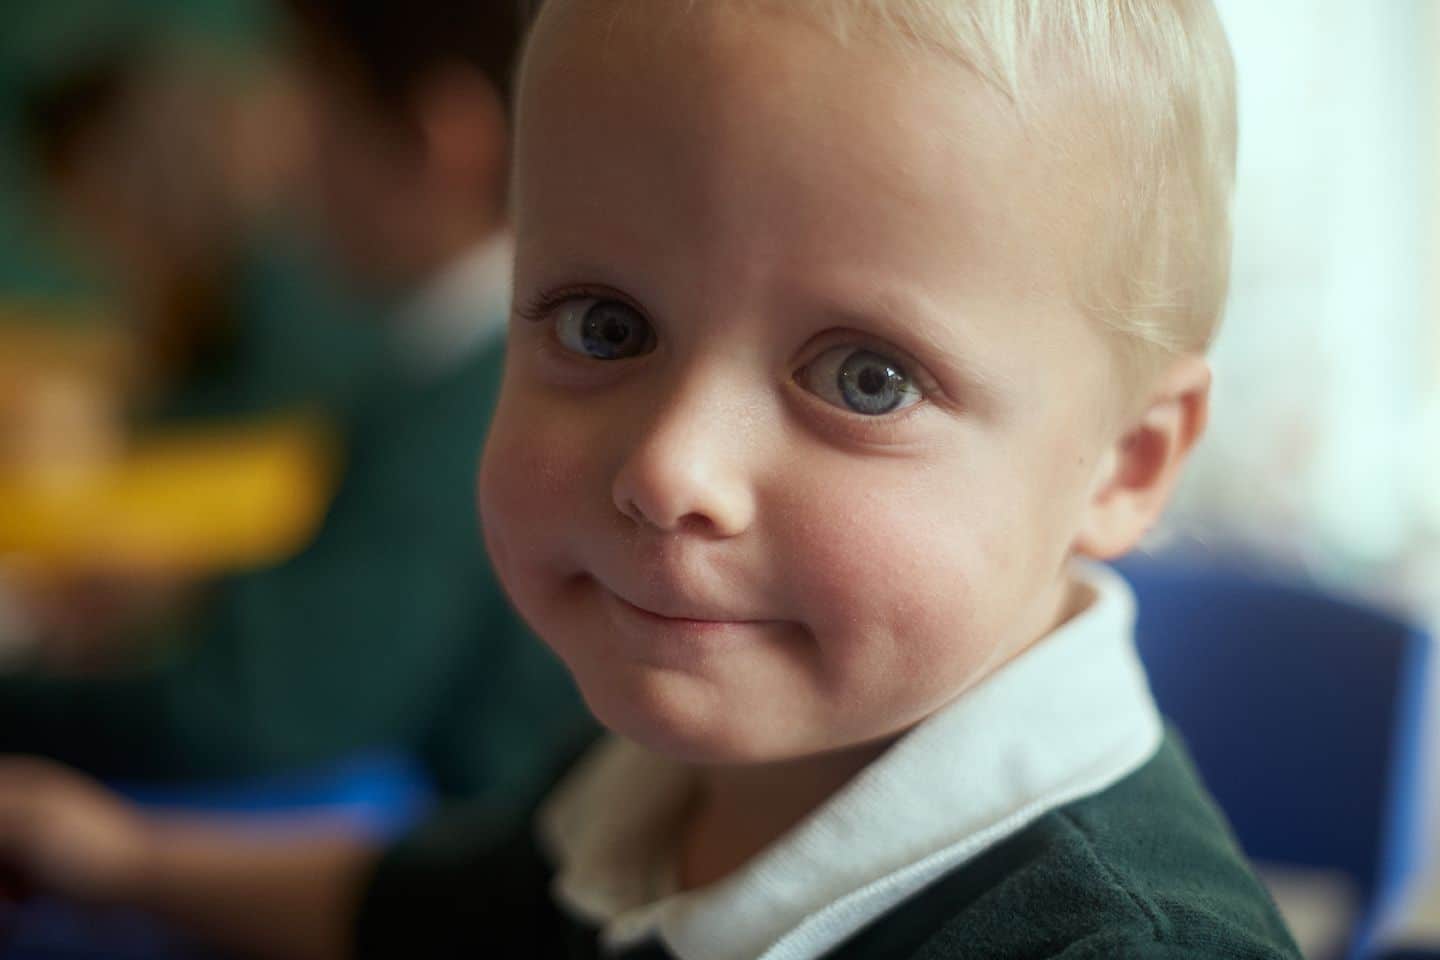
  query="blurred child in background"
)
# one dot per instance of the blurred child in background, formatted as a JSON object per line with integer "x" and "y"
{"x": 170, "y": 178}
{"x": 389, "y": 630}
{"x": 153, "y": 191}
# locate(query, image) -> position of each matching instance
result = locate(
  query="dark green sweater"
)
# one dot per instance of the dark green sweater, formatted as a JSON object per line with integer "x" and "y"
{"x": 1145, "y": 869}
{"x": 388, "y": 632}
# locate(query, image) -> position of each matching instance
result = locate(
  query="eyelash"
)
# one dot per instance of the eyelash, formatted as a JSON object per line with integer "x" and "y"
{"x": 543, "y": 306}
{"x": 856, "y": 340}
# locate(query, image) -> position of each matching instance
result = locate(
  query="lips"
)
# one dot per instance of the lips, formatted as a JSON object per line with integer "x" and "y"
{"x": 676, "y": 612}
{"x": 672, "y": 606}
{"x": 677, "y": 615}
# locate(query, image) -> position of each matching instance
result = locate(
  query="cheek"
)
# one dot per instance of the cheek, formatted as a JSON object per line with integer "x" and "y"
{"x": 532, "y": 487}
{"x": 913, "y": 578}
{"x": 895, "y": 580}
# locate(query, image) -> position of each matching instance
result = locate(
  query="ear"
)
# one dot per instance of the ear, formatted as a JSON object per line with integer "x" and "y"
{"x": 466, "y": 136}
{"x": 1140, "y": 471}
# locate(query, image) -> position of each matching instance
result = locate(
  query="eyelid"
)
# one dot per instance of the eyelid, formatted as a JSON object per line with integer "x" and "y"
{"x": 542, "y": 306}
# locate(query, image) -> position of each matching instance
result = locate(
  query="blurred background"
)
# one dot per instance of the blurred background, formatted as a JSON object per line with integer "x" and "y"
{"x": 177, "y": 344}
{"x": 173, "y": 339}
{"x": 1323, "y": 450}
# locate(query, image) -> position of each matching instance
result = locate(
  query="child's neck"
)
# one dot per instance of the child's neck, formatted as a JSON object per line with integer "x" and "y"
{"x": 739, "y": 811}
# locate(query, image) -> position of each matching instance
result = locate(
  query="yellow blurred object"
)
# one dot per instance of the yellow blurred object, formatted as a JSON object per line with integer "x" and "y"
{"x": 192, "y": 502}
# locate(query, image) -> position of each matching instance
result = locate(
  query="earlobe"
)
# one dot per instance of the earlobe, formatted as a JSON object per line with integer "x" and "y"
{"x": 1142, "y": 467}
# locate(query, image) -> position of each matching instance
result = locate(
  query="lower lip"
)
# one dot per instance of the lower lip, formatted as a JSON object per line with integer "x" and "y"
{"x": 671, "y": 639}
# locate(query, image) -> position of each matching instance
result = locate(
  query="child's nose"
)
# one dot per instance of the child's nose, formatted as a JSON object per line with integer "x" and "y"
{"x": 686, "y": 473}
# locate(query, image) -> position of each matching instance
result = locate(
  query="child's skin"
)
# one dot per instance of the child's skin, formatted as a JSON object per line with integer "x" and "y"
{"x": 740, "y": 568}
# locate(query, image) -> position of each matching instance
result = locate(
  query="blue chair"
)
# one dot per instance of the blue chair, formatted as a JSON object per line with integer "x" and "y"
{"x": 1303, "y": 712}
{"x": 377, "y": 795}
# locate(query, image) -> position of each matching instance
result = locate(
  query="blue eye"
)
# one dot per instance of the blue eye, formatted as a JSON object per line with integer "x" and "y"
{"x": 861, "y": 381}
{"x": 603, "y": 329}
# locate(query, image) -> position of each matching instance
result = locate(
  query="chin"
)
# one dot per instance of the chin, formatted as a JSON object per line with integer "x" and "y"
{"x": 682, "y": 718}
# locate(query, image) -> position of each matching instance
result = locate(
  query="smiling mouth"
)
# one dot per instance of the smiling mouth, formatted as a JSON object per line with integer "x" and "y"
{"x": 672, "y": 618}
{"x": 678, "y": 621}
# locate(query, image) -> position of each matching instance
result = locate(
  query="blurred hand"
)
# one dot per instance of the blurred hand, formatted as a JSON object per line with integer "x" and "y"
{"x": 96, "y": 620}
{"x": 62, "y": 833}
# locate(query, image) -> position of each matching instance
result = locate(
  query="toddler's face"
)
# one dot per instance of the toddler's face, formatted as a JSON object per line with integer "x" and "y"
{"x": 798, "y": 424}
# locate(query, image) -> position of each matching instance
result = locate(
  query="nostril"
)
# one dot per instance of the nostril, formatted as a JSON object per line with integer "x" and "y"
{"x": 696, "y": 523}
{"x": 631, "y": 511}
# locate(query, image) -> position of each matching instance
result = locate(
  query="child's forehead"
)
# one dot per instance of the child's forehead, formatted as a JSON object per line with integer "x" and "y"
{"x": 734, "y": 58}
{"x": 707, "y": 77}
{"x": 705, "y": 128}
{"x": 915, "y": 31}
{"x": 710, "y": 33}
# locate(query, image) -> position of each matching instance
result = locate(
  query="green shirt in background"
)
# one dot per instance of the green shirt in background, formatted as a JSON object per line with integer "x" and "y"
{"x": 288, "y": 337}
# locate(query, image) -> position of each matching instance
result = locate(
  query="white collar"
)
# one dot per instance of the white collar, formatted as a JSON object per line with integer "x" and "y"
{"x": 460, "y": 310}
{"x": 1064, "y": 720}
